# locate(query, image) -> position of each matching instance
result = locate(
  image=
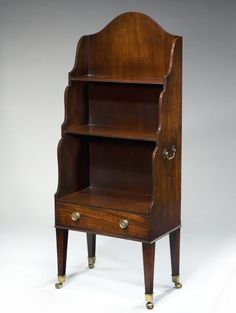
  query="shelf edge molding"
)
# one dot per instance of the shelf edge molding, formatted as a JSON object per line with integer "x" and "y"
{"x": 100, "y": 131}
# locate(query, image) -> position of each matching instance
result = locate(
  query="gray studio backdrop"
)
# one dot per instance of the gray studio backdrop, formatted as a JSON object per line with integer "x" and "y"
{"x": 37, "y": 49}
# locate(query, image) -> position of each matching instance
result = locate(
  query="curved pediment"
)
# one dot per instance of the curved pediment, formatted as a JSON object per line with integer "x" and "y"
{"x": 131, "y": 46}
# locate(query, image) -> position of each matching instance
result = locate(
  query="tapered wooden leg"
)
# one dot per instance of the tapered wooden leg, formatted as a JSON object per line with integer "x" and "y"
{"x": 175, "y": 255}
{"x": 91, "y": 242}
{"x": 62, "y": 239}
{"x": 148, "y": 266}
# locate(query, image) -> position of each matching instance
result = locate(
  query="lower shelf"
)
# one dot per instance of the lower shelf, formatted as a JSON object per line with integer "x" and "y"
{"x": 110, "y": 199}
{"x": 102, "y": 131}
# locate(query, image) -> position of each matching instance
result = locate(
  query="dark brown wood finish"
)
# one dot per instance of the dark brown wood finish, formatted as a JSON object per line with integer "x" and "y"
{"x": 148, "y": 266}
{"x": 175, "y": 251}
{"x": 111, "y": 132}
{"x": 62, "y": 240}
{"x": 132, "y": 46}
{"x": 165, "y": 211}
{"x": 91, "y": 243}
{"x": 107, "y": 79}
{"x": 122, "y": 118}
{"x": 110, "y": 199}
{"x": 121, "y": 165}
{"x": 73, "y": 164}
{"x": 124, "y": 106}
{"x": 103, "y": 221}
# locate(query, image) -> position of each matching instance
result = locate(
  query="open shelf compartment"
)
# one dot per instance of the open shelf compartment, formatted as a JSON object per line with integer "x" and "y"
{"x": 111, "y": 110}
{"x": 114, "y": 173}
{"x": 110, "y": 199}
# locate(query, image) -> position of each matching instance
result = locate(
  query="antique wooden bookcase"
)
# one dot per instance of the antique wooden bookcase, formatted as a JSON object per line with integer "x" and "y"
{"x": 119, "y": 157}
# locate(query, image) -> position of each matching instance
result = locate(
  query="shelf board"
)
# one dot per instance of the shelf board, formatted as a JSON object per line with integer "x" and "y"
{"x": 106, "y": 79}
{"x": 110, "y": 199}
{"x": 101, "y": 131}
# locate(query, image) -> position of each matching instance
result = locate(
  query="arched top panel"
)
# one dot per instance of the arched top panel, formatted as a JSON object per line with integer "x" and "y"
{"x": 131, "y": 46}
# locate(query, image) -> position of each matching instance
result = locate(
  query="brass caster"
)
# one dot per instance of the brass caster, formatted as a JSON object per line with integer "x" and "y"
{"x": 176, "y": 281}
{"x": 149, "y": 305}
{"x": 91, "y": 262}
{"x": 149, "y": 299}
{"x": 59, "y": 285}
{"x": 178, "y": 285}
{"x": 61, "y": 279}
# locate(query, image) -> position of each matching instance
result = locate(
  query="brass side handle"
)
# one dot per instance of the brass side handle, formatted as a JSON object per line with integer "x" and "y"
{"x": 75, "y": 216}
{"x": 169, "y": 155}
{"x": 123, "y": 224}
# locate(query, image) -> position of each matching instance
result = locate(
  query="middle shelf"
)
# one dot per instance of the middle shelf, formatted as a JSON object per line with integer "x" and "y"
{"x": 104, "y": 131}
{"x": 125, "y": 111}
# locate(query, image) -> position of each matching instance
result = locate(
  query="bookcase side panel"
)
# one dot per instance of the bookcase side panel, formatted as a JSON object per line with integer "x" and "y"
{"x": 81, "y": 59}
{"x": 167, "y": 172}
{"x": 76, "y": 105}
{"x": 73, "y": 165}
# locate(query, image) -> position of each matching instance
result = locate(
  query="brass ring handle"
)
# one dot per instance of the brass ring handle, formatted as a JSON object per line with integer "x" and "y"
{"x": 123, "y": 224}
{"x": 75, "y": 216}
{"x": 167, "y": 155}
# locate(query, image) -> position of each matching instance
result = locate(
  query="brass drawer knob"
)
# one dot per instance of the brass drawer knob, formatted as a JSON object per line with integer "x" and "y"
{"x": 123, "y": 224}
{"x": 75, "y": 216}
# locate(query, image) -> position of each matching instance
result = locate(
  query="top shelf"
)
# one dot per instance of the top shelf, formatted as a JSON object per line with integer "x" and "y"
{"x": 106, "y": 79}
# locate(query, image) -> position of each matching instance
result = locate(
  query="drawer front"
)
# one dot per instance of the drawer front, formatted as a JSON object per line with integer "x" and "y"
{"x": 104, "y": 222}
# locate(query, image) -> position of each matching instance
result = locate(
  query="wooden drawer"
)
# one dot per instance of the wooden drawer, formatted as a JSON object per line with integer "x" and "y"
{"x": 101, "y": 221}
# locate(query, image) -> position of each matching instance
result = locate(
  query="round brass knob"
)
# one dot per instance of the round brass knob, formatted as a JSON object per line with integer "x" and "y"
{"x": 123, "y": 224}
{"x": 75, "y": 216}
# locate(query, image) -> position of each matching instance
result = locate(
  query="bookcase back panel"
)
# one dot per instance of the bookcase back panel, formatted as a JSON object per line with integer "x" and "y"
{"x": 132, "y": 45}
{"x": 121, "y": 164}
{"x": 125, "y": 106}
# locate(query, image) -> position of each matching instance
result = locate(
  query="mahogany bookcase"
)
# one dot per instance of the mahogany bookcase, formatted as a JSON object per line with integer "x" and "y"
{"x": 119, "y": 158}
